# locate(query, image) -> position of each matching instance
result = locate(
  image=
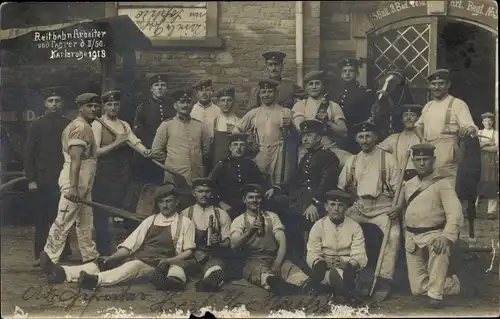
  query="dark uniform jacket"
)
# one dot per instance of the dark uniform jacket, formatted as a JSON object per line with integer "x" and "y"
{"x": 231, "y": 174}
{"x": 149, "y": 116}
{"x": 43, "y": 158}
{"x": 356, "y": 101}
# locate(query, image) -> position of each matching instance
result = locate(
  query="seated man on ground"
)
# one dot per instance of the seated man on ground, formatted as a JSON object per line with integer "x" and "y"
{"x": 261, "y": 238}
{"x": 336, "y": 247}
{"x": 162, "y": 241}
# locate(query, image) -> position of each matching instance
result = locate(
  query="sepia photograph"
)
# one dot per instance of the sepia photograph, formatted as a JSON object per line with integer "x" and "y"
{"x": 249, "y": 159}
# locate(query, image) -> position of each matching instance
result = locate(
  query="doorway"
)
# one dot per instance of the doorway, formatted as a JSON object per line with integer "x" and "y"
{"x": 468, "y": 52}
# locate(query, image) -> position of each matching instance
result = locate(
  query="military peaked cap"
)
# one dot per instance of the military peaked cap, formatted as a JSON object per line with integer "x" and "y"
{"x": 312, "y": 126}
{"x": 488, "y": 115}
{"x": 365, "y": 126}
{"x": 314, "y": 75}
{"x": 338, "y": 195}
{"x": 203, "y": 181}
{"x": 415, "y": 108}
{"x": 111, "y": 96}
{"x": 227, "y": 91}
{"x": 164, "y": 191}
{"x": 60, "y": 91}
{"x": 268, "y": 84}
{"x": 350, "y": 62}
{"x": 87, "y": 98}
{"x": 158, "y": 78}
{"x": 242, "y": 137}
{"x": 201, "y": 84}
{"x": 252, "y": 188}
{"x": 440, "y": 74}
{"x": 423, "y": 150}
{"x": 182, "y": 93}
{"x": 274, "y": 55}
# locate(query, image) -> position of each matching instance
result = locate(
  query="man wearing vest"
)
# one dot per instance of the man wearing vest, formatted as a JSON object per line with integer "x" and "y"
{"x": 372, "y": 176}
{"x": 315, "y": 107}
{"x": 443, "y": 121}
{"x": 209, "y": 251}
{"x": 433, "y": 219}
{"x": 223, "y": 124}
{"x": 231, "y": 174}
{"x": 336, "y": 247}
{"x": 113, "y": 165}
{"x": 398, "y": 143}
{"x": 318, "y": 172}
{"x": 162, "y": 241}
{"x": 260, "y": 236}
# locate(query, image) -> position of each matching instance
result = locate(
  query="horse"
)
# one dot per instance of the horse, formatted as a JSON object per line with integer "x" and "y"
{"x": 392, "y": 92}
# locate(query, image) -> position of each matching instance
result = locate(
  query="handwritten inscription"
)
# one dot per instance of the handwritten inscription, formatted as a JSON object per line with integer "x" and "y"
{"x": 396, "y": 7}
{"x": 169, "y": 22}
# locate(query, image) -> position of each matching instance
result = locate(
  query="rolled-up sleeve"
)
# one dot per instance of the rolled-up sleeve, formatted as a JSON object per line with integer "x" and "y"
{"x": 225, "y": 225}
{"x": 77, "y": 136}
{"x": 237, "y": 227}
{"x": 245, "y": 124}
{"x": 134, "y": 241}
{"x": 358, "y": 250}
{"x": 299, "y": 113}
{"x": 131, "y": 136}
{"x": 314, "y": 250}
{"x": 277, "y": 224}
{"x": 463, "y": 116}
{"x": 97, "y": 130}
{"x": 453, "y": 211}
{"x": 159, "y": 147}
{"x": 188, "y": 241}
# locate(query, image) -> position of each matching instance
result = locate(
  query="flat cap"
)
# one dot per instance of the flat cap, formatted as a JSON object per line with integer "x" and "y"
{"x": 233, "y": 137}
{"x": 164, "y": 191}
{"x": 314, "y": 75}
{"x": 111, "y": 96}
{"x": 365, "y": 126}
{"x": 252, "y": 188}
{"x": 415, "y": 108}
{"x": 86, "y": 98}
{"x": 423, "y": 150}
{"x": 488, "y": 115}
{"x": 60, "y": 91}
{"x": 440, "y": 74}
{"x": 312, "y": 126}
{"x": 203, "y": 181}
{"x": 268, "y": 84}
{"x": 182, "y": 93}
{"x": 226, "y": 91}
{"x": 157, "y": 78}
{"x": 350, "y": 62}
{"x": 201, "y": 84}
{"x": 274, "y": 55}
{"x": 338, "y": 195}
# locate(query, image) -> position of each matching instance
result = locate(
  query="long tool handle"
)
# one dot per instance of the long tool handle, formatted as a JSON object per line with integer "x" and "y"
{"x": 113, "y": 210}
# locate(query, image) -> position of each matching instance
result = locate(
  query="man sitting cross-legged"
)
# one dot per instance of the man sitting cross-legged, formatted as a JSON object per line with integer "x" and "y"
{"x": 260, "y": 236}
{"x": 162, "y": 241}
{"x": 336, "y": 247}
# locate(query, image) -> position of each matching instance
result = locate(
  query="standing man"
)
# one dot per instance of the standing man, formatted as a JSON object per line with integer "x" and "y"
{"x": 433, "y": 221}
{"x": 43, "y": 160}
{"x": 443, "y": 121}
{"x": 182, "y": 142}
{"x": 372, "y": 176}
{"x": 232, "y": 173}
{"x": 318, "y": 172}
{"x": 223, "y": 124}
{"x": 286, "y": 88}
{"x": 398, "y": 143}
{"x": 336, "y": 246}
{"x": 273, "y": 133}
{"x": 204, "y": 110}
{"x": 113, "y": 169}
{"x": 315, "y": 107}
{"x": 261, "y": 237}
{"x": 149, "y": 115}
{"x": 356, "y": 100}
{"x": 75, "y": 182}
{"x": 210, "y": 251}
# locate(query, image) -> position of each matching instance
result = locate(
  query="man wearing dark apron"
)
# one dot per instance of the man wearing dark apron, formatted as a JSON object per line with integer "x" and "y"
{"x": 113, "y": 167}
{"x": 158, "y": 247}
{"x": 212, "y": 226}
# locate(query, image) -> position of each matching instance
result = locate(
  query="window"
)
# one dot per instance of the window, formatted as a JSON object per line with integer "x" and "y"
{"x": 176, "y": 23}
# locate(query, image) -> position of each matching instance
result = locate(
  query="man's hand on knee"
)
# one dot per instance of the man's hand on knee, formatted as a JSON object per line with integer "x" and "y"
{"x": 439, "y": 244}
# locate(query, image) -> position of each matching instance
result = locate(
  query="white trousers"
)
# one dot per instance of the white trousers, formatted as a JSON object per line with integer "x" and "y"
{"x": 128, "y": 271}
{"x": 70, "y": 213}
{"x": 431, "y": 277}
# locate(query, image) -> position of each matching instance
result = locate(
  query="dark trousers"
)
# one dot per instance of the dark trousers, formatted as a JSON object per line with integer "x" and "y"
{"x": 46, "y": 201}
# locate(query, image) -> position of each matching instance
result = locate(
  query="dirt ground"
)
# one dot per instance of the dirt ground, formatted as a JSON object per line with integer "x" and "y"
{"x": 25, "y": 287}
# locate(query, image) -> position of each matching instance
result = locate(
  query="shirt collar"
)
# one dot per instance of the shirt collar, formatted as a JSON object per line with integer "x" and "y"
{"x": 204, "y": 107}
{"x": 198, "y": 206}
{"x": 162, "y": 220}
{"x": 330, "y": 221}
{"x": 183, "y": 119}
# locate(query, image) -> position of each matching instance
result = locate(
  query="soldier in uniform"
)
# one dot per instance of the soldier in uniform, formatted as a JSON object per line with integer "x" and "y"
{"x": 223, "y": 124}
{"x": 209, "y": 251}
{"x": 149, "y": 115}
{"x": 113, "y": 167}
{"x": 318, "y": 172}
{"x": 287, "y": 88}
{"x": 336, "y": 246}
{"x": 355, "y": 99}
{"x": 315, "y": 107}
{"x": 433, "y": 220}
{"x": 204, "y": 110}
{"x": 182, "y": 142}
{"x": 372, "y": 176}
{"x": 444, "y": 119}
{"x": 231, "y": 174}
{"x": 398, "y": 143}
{"x": 43, "y": 160}
{"x": 261, "y": 237}
{"x": 273, "y": 133}
{"x": 75, "y": 182}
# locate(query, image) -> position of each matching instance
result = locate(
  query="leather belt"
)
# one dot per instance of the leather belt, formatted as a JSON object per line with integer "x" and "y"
{"x": 369, "y": 197}
{"x": 421, "y": 230}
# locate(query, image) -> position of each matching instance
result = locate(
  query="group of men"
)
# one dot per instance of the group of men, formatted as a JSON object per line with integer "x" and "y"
{"x": 272, "y": 188}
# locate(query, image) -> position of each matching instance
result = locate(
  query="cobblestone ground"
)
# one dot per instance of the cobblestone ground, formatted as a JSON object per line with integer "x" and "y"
{"x": 25, "y": 287}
